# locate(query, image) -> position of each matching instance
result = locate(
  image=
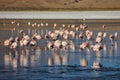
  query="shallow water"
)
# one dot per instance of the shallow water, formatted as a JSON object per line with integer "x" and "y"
{"x": 60, "y": 15}
{"x": 31, "y": 63}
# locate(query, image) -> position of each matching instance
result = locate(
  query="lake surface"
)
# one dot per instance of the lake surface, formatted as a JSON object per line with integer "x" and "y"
{"x": 31, "y": 63}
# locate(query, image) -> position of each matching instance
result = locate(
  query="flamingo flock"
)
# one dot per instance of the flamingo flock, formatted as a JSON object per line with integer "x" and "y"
{"x": 62, "y": 39}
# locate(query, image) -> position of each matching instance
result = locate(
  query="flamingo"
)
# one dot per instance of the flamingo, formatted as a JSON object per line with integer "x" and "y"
{"x": 111, "y": 37}
{"x": 116, "y": 35}
{"x": 89, "y": 34}
{"x": 38, "y": 37}
{"x": 97, "y": 47}
{"x": 104, "y": 34}
{"x": 77, "y": 28}
{"x": 73, "y": 26}
{"x": 8, "y": 41}
{"x": 100, "y": 34}
{"x": 64, "y": 43}
{"x": 84, "y": 45}
{"x": 38, "y": 25}
{"x": 104, "y": 26}
{"x": 58, "y": 44}
{"x": 12, "y": 22}
{"x": 84, "y": 26}
{"x": 55, "y": 25}
{"x": 89, "y": 37}
{"x": 50, "y": 45}
{"x": 81, "y": 35}
{"x": 18, "y": 24}
{"x": 63, "y": 25}
{"x": 46, "y": 24}
{"x": 65, "y": 36}
{"x": 98, "y": 39}
{"x": 24, "y": 42}
{"x": 14, "y": 45}
{"x": 42, "y": 24}
{"x": 29, "y": 23}
{"x": 33, "y": 42}
{"x": 26, "y": 37}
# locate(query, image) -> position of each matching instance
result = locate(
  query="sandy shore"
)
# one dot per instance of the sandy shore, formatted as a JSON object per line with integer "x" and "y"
{"x": 58, "y": 5}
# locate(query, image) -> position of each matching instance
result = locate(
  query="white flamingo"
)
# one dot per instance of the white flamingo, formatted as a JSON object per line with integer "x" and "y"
{"x": 8, "y": 41}
{"x": 64, "y": 43}
{"x": 46, "y": 24}
{"x": 24, "y": 42}
{"x": 111, "y": 37}
{"x": 84, "y": 45}
{"x": 97, "y": 47}
{"x": 104, "y": 34}
{"x": 50, "y": 45}
{"x": 116, "y": 35}
{"x": 14, "y": 45}
{"x": 100, "y": 34}
{"x": 58, "y": 44}
{"x": 33, "y": 43}
{"x": 98, "y": 40}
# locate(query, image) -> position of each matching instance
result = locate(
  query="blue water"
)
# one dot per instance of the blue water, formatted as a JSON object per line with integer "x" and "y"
{"x": 31, "y": 63}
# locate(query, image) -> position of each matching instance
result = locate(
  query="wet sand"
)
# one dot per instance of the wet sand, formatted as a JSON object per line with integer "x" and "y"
{"x": 93, "y": 24}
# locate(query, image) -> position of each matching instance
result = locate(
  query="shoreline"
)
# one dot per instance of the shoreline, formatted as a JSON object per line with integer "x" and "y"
{"x": 93, "y": 24}
{"x": 60, "y": 10}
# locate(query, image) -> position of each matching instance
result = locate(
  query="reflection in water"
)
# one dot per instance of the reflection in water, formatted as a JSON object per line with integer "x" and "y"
{"x": 83, "y": 62}
{"x": 105, "y": 47}
{"x": 50, "y": 61}
{"x": 68, "y": 54}
{"x": 111, "y": 50}
{"x": 11, "y": 59}
{"x": 65, "y": 59}
{"x": 57, "y": 59}
{"x": 116, "y": 48}
{"x": 7, "y": 59}
{"x": 24, "y": 58}
{"x": 98, "y": 54}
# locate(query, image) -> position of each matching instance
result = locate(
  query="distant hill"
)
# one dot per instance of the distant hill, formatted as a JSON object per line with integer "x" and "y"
{"x": 17, "y": 5}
